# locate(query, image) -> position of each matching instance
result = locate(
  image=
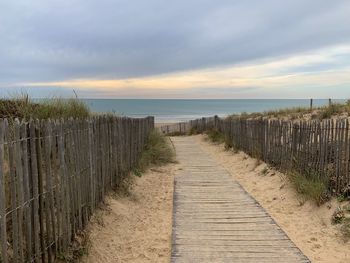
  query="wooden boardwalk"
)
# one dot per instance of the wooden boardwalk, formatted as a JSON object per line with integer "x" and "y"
{"x": 215, "y": 220}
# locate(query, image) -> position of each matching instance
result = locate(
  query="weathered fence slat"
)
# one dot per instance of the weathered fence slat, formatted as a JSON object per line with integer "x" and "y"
{"x": 53, "y": 175}
{"x": 34, "y": 181}
{"x": 3, "y": 230}
{"x": 43, "y": 209}
{"x": 13, "y": 196}
{"x": 26, "y": 190}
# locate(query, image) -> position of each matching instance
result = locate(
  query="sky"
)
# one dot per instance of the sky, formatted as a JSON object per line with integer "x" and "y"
{"x": 175, "y": 49}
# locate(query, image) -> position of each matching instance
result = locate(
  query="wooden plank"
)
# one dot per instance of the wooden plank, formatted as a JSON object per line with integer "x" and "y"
{"x": 64, "y": 188}
{"x": 49, "y": 206}
{"x": 3, "y": 228}
{"x": 71, "y": 173}
{"x": 343, "y": 143}
{"x": 337, "y": 155}
{"x": 211, "y": 217}
{"x": 57, "y": 187}
{"x": 19, "y": 186}
{"x": 102, "y": 158}
{"x": 92, "y": 170}
{"x": 86, "y": 163}
{"x": 26, "y": 192}
{"x": 78, "y": 173}
{"x": 13, "y": 195}
{"x": 35, "y": 185}
{"x": 42, "y": 208}
{"x": 347, "y": 154}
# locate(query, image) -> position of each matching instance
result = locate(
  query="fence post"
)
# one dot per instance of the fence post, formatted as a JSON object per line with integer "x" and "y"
{"x": 3, "y": 232}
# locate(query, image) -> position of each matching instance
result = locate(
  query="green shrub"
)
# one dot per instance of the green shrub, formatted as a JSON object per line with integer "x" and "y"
{"x": 193, "y": 131}
{"x": 157, "y": 151}
{"x": 310, "y": 187}
{"x": 215, "y": 136}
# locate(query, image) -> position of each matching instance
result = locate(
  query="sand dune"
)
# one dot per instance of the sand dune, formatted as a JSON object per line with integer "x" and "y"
{"x": 136, "y": 228}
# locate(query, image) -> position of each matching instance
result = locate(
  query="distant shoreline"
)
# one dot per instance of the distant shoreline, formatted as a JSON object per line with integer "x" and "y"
{"x": 181, "y": 110}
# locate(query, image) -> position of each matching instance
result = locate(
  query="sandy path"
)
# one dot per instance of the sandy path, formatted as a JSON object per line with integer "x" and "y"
{"x": 136, "y": 228}
{"x": 307, "y": 225}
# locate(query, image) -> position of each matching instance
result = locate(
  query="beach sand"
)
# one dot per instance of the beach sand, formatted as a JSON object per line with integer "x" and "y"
{"x": 308, "y": 225}
{"x": 136, "y": 228}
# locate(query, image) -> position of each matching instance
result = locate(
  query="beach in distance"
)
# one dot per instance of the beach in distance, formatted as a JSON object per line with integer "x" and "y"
{"x": 178, "y": 110}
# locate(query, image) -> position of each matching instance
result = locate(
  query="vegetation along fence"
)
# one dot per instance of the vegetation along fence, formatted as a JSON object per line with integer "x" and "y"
{"x": 315, "y": 149}
{"x": 53, "y": 175}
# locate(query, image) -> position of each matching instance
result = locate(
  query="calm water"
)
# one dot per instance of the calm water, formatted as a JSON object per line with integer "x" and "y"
{"x": 181, "y": 110}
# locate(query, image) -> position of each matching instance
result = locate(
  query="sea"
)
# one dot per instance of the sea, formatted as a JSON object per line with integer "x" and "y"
{"x": 177, "y": 110}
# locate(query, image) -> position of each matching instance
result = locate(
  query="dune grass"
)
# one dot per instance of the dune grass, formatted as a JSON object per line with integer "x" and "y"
{"x": 293, "y": 112}
{"x": 324, "y": 112}
{"x": 158, "y": 151}
{"x": 333, "y": 109}
{"x": 23, "y": 108}
{"x": 310, "y": 187}
{"x": 215, "y": 136}
{"x": 193, "y": 131}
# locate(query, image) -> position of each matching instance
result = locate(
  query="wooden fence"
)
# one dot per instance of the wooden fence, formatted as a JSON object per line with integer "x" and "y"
{"x": 53, "y": 175}
{"x": 315, "y": 149}
{"x": 182, "y": 128}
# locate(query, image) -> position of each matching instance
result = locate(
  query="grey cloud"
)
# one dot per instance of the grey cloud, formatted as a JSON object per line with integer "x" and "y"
{"x": 64, "y": 39}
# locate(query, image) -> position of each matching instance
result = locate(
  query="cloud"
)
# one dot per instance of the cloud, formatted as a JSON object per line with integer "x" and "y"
{"x": 63, "y": 40}
{"x": 317, "y": 73}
